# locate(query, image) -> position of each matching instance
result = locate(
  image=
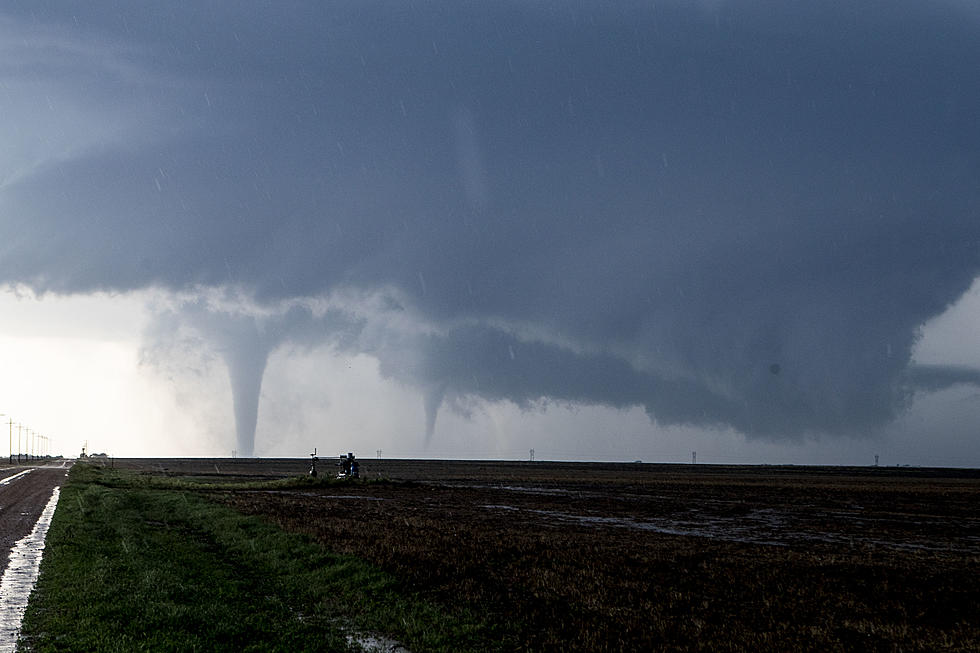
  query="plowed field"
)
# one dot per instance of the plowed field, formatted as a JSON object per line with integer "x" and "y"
{"x": 575, "y": 556}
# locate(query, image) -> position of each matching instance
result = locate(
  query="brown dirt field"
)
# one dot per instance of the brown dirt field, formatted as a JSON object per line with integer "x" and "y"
{"x": 576, "y": 556}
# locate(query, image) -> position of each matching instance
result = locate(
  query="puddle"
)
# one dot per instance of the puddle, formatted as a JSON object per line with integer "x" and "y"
{"x": 537, "y": 490}
{"x": 319, "y": 496}
{"x": 664, "y": 526}
{"x": 343, "y": 496}
{"x": 523, "y": 489}
{"x": 19, "y": 578}
{"x": 7, "y": 481}
{"x": 763, "y": 526}
{"x": 376, "y": 644}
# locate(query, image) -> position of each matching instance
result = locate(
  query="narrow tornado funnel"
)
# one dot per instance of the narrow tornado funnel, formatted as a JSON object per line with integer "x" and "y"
{"x": 245, "y": 369}
{"x": 245, "y": 351}
{"x": 434, "y": 394}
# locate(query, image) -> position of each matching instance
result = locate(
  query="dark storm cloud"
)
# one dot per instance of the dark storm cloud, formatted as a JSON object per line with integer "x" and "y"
{"x": 936, "y": 377}
{"x": 726, "y": 212}
{"x": 243, "y": 338}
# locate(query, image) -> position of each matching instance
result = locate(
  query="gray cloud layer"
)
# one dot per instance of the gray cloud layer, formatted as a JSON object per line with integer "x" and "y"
{"x": 729, "y": 213}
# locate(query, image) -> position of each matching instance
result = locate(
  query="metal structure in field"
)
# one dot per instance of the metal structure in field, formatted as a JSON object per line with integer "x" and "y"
{"x": 313, "y": 462}
{"x": 349, "y": 467}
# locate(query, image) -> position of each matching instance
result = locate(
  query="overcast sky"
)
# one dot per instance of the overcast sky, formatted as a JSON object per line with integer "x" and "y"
{"x": 617, "y": 230}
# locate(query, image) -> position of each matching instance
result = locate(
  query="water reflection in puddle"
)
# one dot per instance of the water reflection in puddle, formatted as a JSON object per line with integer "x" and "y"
{"x": 376, "y": 644}
{"x": 315, "y": 495}
{"x": 20, "y": 576}
{"x": 760, "y": 526}
{"x": 9, "y": 479}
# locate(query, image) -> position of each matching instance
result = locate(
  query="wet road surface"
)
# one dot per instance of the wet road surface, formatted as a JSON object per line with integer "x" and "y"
{"x": 28, "y": 497}
{"x": 24, "y": 491}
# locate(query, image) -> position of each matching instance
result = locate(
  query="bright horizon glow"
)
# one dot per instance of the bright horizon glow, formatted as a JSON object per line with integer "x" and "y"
{"x": 72, "y": 371}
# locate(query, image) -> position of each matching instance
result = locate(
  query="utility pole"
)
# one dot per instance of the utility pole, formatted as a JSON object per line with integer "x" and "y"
{"x": 19, "y": 429}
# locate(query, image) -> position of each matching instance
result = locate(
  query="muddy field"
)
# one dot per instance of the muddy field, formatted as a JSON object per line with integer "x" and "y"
{"x": 574, "y": 556}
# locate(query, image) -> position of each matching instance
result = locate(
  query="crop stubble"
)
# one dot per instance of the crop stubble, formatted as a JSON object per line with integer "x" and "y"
{"x": 610, "y": 557}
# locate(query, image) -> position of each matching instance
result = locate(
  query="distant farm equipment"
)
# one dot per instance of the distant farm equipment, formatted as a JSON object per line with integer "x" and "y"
{"x": 348, "y": 464}
{"x": 349, "y": 467}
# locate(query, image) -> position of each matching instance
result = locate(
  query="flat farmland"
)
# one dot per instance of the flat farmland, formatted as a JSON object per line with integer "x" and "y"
{"x": 596, "y": 556}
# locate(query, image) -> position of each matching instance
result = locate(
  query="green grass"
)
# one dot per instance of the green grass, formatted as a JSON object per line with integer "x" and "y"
{"x": 136, "y": 565}
{"x": 143, "y": 479}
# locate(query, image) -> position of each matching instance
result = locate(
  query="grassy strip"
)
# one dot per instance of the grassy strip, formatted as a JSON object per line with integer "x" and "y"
{"x": 130, "y": 567}
{"x": 148, "y": 480}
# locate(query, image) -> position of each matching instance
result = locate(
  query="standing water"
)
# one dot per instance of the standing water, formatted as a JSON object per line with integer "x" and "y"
{"x": 18, "y": 580}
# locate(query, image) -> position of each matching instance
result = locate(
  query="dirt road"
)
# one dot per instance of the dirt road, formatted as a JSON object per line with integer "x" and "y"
{"x": 24, "y": 491}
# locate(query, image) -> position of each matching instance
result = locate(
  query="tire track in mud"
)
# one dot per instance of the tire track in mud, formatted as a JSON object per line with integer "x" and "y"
{"x": 25, "y": 494}
{"x": 22, "y": 500}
